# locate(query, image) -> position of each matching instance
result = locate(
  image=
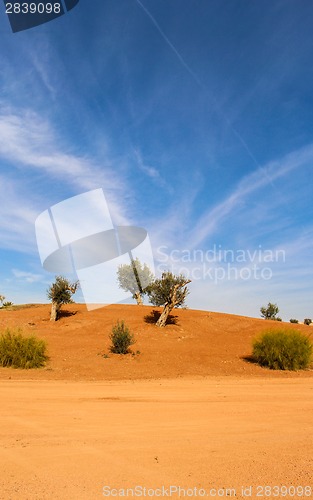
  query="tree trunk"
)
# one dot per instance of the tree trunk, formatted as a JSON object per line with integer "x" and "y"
{"x": 55, "y": 310}
{"x": 164, "y": 315}
{"x": 138, "y": 298}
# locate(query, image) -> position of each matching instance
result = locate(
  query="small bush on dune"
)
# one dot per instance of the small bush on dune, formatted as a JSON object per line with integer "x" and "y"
{"x": 283, "y": 350}
{"x": 18, "y": 351}
{"x": 307, "y": 321}
{"x": 294, "y": 320}
{"x": 7, "y": 304}
{"x": 4, "y": 303}
{"x": 121, "y": 338}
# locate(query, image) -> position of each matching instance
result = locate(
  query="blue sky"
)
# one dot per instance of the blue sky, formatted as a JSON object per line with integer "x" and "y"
{"x": 196, "y": 120}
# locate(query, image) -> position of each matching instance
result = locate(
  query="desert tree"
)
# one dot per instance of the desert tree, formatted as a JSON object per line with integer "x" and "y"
{"x": 60, "y": 292}
{"x": 270, "y": 312}
{"x": 168, "y": 291}
{"x": 134, "y": 278}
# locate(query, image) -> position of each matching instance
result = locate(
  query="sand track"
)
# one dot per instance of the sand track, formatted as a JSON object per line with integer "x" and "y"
{"x": 66, "y": 440}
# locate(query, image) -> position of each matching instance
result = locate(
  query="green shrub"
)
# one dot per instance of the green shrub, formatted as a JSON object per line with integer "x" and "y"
{"x": 294, "y": 320}
{"x": 307, "y": 321}
{"x": 7, "y": 304}
{"x": 283, "y": 350}
{"x": 121, "y": 338}
{"x": 18, "y": 351}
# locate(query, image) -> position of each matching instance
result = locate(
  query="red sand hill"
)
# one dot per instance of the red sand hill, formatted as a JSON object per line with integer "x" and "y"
{"x": 197, "y": 344}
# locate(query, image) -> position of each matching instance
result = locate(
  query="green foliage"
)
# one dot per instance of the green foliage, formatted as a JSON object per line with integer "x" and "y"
{"x": 294, "y": 320}
{"x": 4, "y": 303}
{"x": 170, "y": 289}
{"x": 283, "y": 350}
{"x": 121, "y": 338}
{"x": 134, "y": 277}
{"x": 18, "y": 351}
{"x": 307, "y": 321}
{"x": 61, "y": 291}
{"x": 270, "y": 312}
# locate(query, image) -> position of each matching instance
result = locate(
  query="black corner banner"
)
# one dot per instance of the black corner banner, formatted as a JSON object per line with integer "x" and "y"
{"x": 70, "y": 4}
{"x": 26, "y": 14}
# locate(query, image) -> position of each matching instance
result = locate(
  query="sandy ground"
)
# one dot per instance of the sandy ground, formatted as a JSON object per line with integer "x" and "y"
{"x": 188, "y": 412}
{"x": 69, "y": 440}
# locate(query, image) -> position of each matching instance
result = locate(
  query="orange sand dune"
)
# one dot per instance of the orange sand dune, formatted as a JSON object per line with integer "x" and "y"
{"x": 201, "y": 343}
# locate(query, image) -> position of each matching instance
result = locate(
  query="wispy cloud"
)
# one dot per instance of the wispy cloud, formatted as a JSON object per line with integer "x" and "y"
{"x": 151, "y": 172}
{"x": 17, "y": 216}
{"x": 29, "y": 141}
{"x": 260, "y": 178}
{"x": 170, "y": 44}
{"x": 147, "y": 169}
{"x": 173, "y": 227}
{"x": 27, "y": 276}
{"x": 42, "y": 64}
{"x": 198, "y": 81}
{"x": 29, "y": 145}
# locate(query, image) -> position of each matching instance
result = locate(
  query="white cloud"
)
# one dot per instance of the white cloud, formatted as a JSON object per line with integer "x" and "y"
{"x": 27, "y": 276}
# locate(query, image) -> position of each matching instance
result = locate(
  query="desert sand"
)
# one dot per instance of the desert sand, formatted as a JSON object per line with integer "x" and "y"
{"x": 189, "y": 415}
